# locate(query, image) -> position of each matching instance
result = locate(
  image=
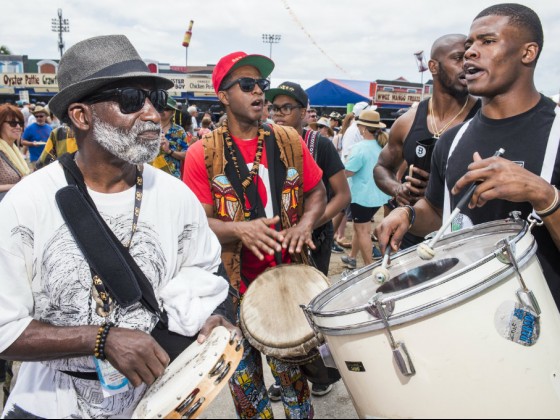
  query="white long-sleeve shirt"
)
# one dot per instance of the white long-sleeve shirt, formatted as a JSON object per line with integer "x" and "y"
{"x": 44, "y": 276}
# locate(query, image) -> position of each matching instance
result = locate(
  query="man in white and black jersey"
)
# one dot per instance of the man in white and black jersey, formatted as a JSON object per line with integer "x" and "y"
{"x": 413, "y": 135}
{"x": 501, "y": 54}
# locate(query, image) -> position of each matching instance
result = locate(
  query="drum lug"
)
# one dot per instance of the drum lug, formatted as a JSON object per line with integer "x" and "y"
{"x": 327, "y": 356}
{"x": 383, "y": 310}
{"x": 524, "y": 294}
{"x": 516, "y": 215}
{"x": 533, "y": 221}
{"x": 372, "y": 306}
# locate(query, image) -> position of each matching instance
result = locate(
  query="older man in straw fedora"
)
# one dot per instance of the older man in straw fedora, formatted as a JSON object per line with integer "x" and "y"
{"x": 65, "y": 322}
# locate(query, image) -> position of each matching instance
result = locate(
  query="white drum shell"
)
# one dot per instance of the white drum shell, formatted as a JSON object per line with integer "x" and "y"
{"x": 464, "y": 368}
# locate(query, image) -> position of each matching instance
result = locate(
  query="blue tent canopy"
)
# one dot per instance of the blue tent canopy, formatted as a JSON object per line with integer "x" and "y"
{"x": 338, "y": 93}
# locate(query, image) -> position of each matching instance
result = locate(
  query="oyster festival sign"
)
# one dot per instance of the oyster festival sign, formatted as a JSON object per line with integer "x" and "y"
{"x": 200, "y": 86}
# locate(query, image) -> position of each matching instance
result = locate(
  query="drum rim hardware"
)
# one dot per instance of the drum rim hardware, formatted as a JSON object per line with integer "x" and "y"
{"x": 316, "y": 312}
{"x": 524, "y": 294}
{"x": 383, "y": 310}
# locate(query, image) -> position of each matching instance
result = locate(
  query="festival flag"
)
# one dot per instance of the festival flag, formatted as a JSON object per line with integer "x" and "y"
{"x": 188, "y": 34}
{"x": 421, "y": 61}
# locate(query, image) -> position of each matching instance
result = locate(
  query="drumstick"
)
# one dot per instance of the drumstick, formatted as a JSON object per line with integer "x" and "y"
{"x": 411, "y": 170}
{"x": 381, "y": 274}
{"x": 426, "y": 250}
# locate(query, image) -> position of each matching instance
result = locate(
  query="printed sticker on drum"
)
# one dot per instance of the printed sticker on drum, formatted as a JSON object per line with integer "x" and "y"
{"x": 517, "y": 323}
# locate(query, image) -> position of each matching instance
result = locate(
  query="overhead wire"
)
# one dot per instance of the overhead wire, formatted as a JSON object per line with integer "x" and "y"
{"x": 302, "y": 27}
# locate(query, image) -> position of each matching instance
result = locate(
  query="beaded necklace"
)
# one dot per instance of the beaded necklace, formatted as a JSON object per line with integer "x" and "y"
{"x": 254, "y": 170}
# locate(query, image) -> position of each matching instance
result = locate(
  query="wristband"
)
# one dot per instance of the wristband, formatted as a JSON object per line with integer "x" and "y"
{"x": 101, "y": 340}
{"x": 412, "y": 216}
{"x": 553, "y": 208}
{"x": 170, "y": 152}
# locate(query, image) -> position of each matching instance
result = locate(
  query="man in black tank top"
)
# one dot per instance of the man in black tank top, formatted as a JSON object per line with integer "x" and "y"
{"x": 501, "y": 55}
{"x": 402, "y": 170}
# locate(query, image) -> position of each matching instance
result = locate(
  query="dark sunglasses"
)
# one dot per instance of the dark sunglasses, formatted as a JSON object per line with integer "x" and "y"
{"x": 247, "y": 84}
{"x": 14, "y": 124}
{"x": 285, "y": 109}
{"x": 132, "y": 99}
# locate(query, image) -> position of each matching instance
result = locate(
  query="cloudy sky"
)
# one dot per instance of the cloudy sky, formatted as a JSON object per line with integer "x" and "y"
{"x": 353, "y": 39}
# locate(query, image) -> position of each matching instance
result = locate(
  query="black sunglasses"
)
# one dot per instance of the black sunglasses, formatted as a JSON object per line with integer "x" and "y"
{"x": 14, "y": 124}
{"x": 132, "y": 99}
{"x": 247, "y": 84}
{"x": 285, "y": 109}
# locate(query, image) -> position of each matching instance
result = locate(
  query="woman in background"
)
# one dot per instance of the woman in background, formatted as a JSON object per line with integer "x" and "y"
{"x": 367, "y": 198}
{"x": 13, "y": 166}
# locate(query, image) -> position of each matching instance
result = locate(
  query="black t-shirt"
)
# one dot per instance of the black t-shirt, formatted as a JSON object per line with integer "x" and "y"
{"x": 524, "y": 138}
{"x": 328, "y": 160}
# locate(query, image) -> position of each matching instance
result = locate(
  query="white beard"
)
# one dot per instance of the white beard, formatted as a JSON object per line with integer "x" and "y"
{"x": 125, "y": 144}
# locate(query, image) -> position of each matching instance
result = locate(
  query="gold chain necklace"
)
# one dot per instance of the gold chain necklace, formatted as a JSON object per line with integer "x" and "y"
{"x": 437, "y": 133}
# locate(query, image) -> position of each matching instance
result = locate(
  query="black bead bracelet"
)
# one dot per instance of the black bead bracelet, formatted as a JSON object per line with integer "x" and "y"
{"x": 101, "y": 340}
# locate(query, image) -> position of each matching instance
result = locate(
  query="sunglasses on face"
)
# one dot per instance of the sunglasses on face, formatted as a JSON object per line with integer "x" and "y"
{"x": 132, "y": 100}
{"x": 285, "y": 109}
{"x": 40, "y": 116}
{"x": 14, "y": 124}
{"x": 247, "y": 84}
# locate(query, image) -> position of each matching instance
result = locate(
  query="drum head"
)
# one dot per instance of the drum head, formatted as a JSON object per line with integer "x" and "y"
{"x": 271, "y": 317}
{"x": 465, "y": 264}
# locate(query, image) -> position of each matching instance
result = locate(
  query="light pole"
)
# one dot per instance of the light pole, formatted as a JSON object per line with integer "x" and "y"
{"x": 271, "y": 39}
{"x": 60, "y": 25}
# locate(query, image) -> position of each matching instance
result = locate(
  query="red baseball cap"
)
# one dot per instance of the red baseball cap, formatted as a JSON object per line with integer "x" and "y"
{"x": 237, "y": 59}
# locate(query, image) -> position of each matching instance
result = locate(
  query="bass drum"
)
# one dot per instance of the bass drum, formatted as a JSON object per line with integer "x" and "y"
{"x": 452, "y": 337}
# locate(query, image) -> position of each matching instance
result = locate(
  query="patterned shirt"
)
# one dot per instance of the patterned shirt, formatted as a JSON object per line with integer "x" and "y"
{"x": 177, "y": 143}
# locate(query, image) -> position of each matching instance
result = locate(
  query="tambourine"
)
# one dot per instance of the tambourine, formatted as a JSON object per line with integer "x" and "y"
{"x": 193, "y": 380}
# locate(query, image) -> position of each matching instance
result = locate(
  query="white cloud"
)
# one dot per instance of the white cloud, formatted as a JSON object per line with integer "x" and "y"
{"x": 368, "y": 39}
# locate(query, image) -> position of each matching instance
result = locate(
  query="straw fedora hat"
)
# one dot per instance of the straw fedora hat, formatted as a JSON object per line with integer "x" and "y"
{"x": 370, "y": 118}
{"x": 94, "y": 63}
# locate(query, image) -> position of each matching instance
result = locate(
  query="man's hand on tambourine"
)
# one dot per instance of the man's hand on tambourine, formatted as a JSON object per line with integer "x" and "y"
{"x": 217, "y": 321}
{"x": 136, "y": 355}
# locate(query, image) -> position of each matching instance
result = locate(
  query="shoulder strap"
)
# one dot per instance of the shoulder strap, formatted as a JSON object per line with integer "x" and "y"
{"x": 311, "y": 140}
{"x": 104, "y": 252}
{"x": 551, "y": 153}
{"x": 272, "y": 156}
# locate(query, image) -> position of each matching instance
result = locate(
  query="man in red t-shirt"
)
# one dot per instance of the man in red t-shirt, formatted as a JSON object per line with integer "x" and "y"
{"x": 235, "y": 173}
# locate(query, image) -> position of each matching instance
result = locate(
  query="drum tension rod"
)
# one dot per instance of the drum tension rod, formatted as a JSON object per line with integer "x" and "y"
{"x": 525, "y": 295}
{"x": 400, "y": 353}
